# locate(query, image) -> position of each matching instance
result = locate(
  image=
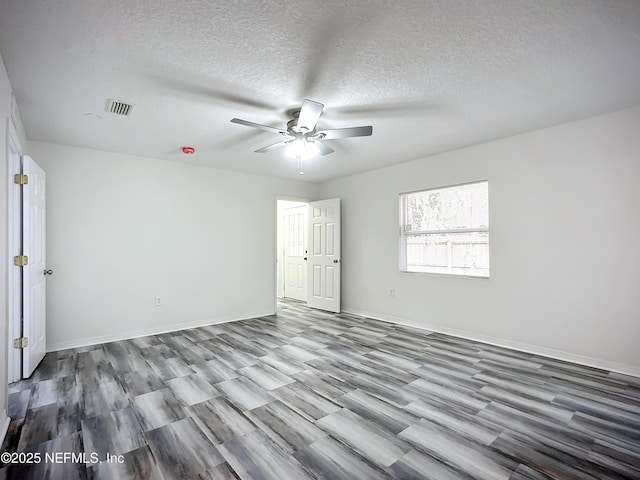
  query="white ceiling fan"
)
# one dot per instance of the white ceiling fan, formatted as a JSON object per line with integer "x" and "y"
{"x": 302, "y": 140}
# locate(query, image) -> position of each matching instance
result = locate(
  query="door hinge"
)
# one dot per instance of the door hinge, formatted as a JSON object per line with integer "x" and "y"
{"x": 22, "y": 342}
{"x": 20, "y": 260}
{"x": 21, "y": 179}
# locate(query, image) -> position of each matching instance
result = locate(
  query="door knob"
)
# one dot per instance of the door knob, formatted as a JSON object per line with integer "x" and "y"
{"x": 48, "y": 272}
{"x": 336, "y": 261}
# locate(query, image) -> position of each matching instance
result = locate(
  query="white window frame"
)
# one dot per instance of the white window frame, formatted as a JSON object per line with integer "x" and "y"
{"x": 403, "y": 232}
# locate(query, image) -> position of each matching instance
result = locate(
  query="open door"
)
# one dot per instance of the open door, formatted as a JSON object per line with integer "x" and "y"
{"x": 323, "y": 285}
{"x": 295, "y": 268}
{"x": 34, "y": 272}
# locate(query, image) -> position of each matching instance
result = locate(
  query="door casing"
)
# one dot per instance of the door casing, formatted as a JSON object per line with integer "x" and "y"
{"x": 329, "y": 261}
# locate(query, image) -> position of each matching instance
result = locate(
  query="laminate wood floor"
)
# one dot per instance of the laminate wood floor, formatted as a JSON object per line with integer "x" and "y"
{"x": 306, "y": 394}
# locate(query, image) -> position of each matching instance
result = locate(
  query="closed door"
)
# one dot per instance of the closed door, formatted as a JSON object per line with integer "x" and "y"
{"x": 295, "y": 241}
{"x": 324, "y": 267}
{"x": 34, "y": 291}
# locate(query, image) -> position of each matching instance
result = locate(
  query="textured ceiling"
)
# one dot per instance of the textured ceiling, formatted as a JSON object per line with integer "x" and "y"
{"x": 429, "y": 75}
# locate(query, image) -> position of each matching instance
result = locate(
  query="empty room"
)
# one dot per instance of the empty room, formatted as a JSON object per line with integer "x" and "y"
{"x": 320, "y": 240}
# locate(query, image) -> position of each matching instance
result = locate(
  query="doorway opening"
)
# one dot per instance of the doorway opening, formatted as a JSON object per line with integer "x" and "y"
{"x": 291, "y": 249}
{"x": 308, "y": 262}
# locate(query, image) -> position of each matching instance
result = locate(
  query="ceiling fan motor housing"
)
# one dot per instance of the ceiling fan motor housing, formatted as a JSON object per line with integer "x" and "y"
{"x": 293, "y": 128}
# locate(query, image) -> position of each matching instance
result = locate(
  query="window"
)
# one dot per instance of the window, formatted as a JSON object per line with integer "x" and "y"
{"x": 446, "y": 230}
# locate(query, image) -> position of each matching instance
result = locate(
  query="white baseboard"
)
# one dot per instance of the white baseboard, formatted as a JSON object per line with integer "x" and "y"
{"x": 83, "y": 342}
{"x": 4, "y": 425}
{"x": 626, "y": 369}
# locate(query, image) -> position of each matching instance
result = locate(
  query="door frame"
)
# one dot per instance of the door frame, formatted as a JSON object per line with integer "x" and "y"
{"x": 14, "y": 241}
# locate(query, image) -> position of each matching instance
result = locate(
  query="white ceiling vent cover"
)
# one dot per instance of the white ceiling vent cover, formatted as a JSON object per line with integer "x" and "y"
{"x": 119, "y": 108}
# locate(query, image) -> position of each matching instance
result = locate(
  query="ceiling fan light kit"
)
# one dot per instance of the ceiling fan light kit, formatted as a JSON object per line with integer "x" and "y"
{"x": 303, "y": 140}
{"x": 304, "y": 149}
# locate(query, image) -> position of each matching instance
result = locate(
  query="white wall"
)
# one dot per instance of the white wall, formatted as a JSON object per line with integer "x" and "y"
{"x": 565, "y": 243}
{"x": 123, "y": 229}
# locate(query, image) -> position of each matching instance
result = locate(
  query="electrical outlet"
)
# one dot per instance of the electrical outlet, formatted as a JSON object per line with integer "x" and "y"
{"x": 392, "y": 292}
{"x": 158, "y": 301}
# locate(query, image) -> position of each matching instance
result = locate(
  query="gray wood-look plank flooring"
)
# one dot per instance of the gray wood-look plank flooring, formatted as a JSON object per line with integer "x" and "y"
{"x": 306, "y": 394}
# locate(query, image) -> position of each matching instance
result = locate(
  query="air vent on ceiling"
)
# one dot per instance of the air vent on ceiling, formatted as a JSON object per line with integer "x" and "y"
{"x": 119, "y": 108}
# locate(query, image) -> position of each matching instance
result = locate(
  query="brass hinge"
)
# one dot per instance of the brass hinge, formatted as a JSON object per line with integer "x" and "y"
{"x": 22, "y": 342}
{"x": 21, "y": 179}
{"x": 20, "y": 260}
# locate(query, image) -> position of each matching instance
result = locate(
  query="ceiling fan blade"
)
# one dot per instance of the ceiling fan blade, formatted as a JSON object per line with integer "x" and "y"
{"x": 273, "y": 146}
{"x": 323, "y": 149}
{"x": 257, "y": 125}
{"x": 415, "y": 107}
{"x": 309, "y": 114}
{"x": 346, "y": 132}
{"x": 198, "y": 88}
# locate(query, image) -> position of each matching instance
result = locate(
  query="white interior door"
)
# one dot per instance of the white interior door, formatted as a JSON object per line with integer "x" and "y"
{"x": 33, "y": 274}
{"x": 295, "y": 241}
{"x": 324, "y": 255}
{"x": 14, "y": 247}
